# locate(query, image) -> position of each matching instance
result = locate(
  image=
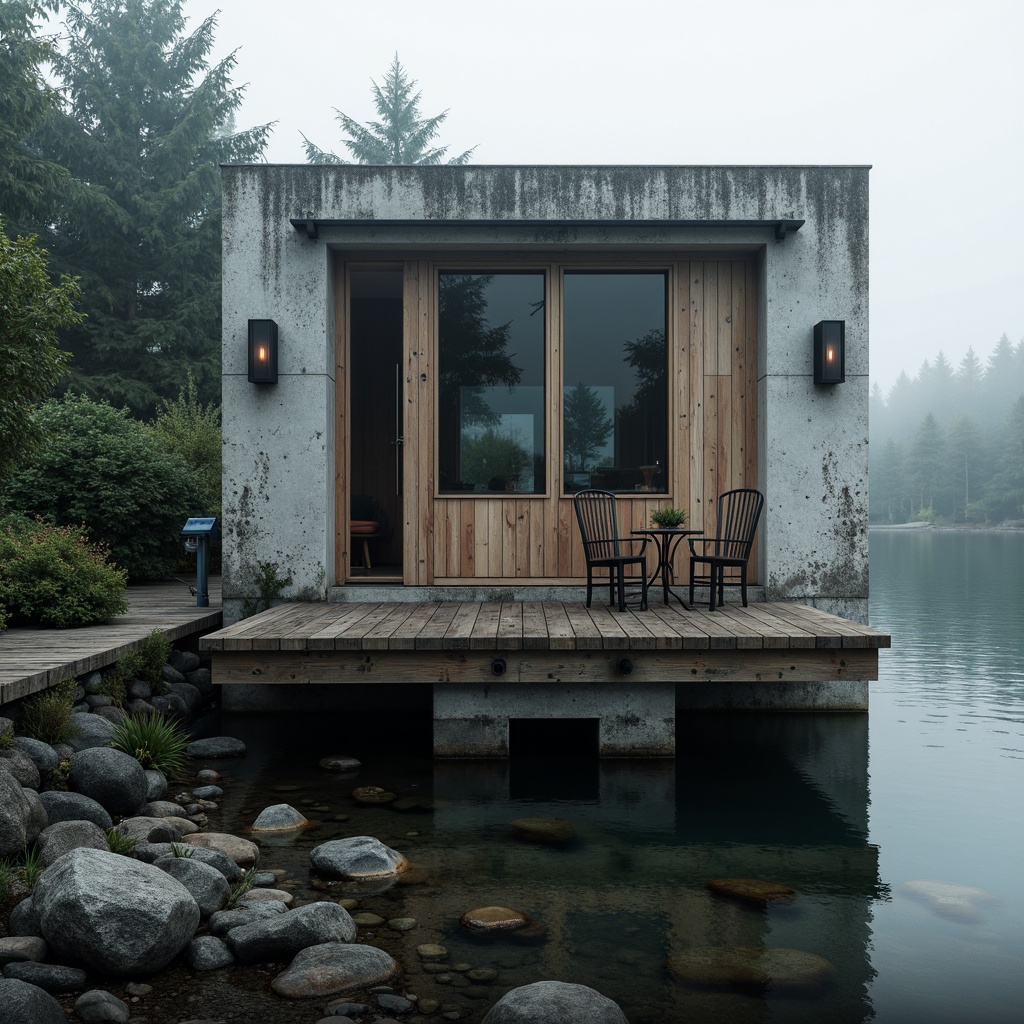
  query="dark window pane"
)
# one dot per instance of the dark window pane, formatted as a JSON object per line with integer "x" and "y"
{"x": 491, "y": 382}
{"x": 615, "y": 418}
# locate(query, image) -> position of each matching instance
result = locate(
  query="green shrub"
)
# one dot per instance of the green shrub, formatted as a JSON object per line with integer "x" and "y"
{"x": 101, "y": 468}
{"x": 154, "y": 742}
{"x": 56, "y": 778}
{"x": 51, "y": 576}
{"x": 48, "y": 714}
{"x": 6, "y": 883}
{"x": 269, "y": 586}
{"x": 153, "y": 655}
{"x": 32, "y": 867}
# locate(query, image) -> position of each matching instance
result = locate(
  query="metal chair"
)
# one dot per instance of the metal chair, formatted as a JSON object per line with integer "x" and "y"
{"x": 603, "y": 547}
{"x": 738, "y": 514}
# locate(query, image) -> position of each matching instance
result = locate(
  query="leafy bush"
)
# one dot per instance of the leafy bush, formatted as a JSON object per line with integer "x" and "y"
{"x": 48, "y": 714}
{"x": 56, "y": 778}
{"x": 153, "y": 653}
{"x": 154, "y": 742}
{"x": 269, "y": 586}
{"x": 52, "y": 576}
{"x": 100, "y": 468}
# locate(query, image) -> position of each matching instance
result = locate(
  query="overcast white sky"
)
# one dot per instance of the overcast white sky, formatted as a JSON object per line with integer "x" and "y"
{"x": 929, "y": 93}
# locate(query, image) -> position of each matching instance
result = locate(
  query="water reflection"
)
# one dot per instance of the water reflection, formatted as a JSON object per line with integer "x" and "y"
{"x": 782, "y": 798}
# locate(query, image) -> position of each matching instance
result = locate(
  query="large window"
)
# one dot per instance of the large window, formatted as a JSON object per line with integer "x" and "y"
{"x": 615, "y": 376}
{"x": 491, "y": 382}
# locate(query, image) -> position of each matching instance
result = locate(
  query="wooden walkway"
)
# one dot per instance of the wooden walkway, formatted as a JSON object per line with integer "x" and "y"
{"x": 33, "y": 659}
{"x": 461, "y": 641}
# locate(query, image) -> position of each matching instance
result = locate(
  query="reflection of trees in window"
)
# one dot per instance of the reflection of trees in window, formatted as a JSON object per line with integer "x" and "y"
{"x": 586, "y": 428}
{"x": 643, "y": 419}
{"x": 473, "y": 354}
{"x": 497, "y": 458}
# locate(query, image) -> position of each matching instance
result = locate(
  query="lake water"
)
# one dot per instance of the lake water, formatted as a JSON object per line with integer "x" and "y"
{"x": 900, "y": 830}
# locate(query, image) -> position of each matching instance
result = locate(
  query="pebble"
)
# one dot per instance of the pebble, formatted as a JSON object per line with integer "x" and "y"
{"x": 394, "y": 1003}
{"x": 367, "y": 920}
{"x": 482, "y": 975}
{"x": 372, "y": 795}
{"x": 340, "y": 763}
{"x": 402, "y": 924}
{"x": 428, "y": 1005}
{"x": 431, "y": 951}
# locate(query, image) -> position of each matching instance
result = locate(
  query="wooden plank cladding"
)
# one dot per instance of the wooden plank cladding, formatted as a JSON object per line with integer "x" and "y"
{"x": 540, "y": 642}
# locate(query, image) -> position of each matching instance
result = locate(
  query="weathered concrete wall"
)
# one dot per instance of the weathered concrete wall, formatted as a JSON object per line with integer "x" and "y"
{"x": 278, "y": 441}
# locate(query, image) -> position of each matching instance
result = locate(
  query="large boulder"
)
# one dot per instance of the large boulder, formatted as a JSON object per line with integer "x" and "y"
{"x": 282, "y": 936}
{"x": 44, "y": 757}
{"x": 111, "y": 777}
{"x": 334, "y": 968}
{"x": 56, "y": 840}
{"x": 554, "y": 1001}
{"x": 21, "y": 766}
{"x": 357, "y": 857}
{"x": 208, "y": 886}
{"x": 118, "y": 916}
{"x": 64, "y": 805}
{"x": 15, "y": 814}
{"x": 38, "y": 819}
{"x": 28, "y": 1004}
{"x": 87, "y": 731}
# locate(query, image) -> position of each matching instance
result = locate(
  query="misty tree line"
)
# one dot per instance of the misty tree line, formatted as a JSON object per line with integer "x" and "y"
{"x": 110, "y": 141}
{"x": 948, "y": 444}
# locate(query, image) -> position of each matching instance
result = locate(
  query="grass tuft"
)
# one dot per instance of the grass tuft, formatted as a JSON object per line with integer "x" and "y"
{"x": 119, "y": 842}
{"x": 154, "y": 742}
{"x": 48, "y": 714}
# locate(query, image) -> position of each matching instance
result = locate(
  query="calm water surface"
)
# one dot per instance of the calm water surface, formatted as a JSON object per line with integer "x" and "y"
{"x": 901, "y": 830}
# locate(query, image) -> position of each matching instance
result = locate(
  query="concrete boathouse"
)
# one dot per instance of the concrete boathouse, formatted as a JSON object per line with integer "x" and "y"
{"x": 422, "y": 366}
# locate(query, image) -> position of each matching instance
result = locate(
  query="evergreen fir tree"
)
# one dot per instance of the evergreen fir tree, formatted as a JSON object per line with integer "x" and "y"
{"x": 401, "y": 136}
{"x": 142, "y": 135}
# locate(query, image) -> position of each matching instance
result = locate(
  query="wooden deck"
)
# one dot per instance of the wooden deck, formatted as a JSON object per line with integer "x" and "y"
{"x": 33, "y": 659}
{"x": 539, "y": 642}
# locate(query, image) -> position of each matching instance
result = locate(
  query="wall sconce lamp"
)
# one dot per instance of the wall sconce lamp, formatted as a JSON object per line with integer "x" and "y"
{"x": 262, "y": 352}
{"x": 830, "y": 352}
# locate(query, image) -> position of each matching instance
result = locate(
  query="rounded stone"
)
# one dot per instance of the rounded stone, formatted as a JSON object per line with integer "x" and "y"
{"x": 752, "y": 967}
{"x": 368, "y": 920}
{"x": 111, "y": 777}
{"x": 99, "y": 1007}
{"x": 24, "y": 1003}
{"x": 431, "y": 951}
{"x": 279, "y": 818}
{"x": 43, "y": 756}
{"x": 358, "y": 857}
{"x": 215, "y": 747}
{"x": 340, "y": 763}
{"x": 493, "y": 919}
{"x": 242, "y": 851}
{"x": 56, "y": 840}
{"x": 554, "y": 1001}
{"x": 556, "y": 831}
{"x": 334, "y": 968}
{"x": 209, "y": 888}
{"x": 370, "y": 795}
{"x": 752, "y": 890}
{"x": 89, "y": 731}
{"x": 62, "y": 805}
{"x": 402, "y": 924}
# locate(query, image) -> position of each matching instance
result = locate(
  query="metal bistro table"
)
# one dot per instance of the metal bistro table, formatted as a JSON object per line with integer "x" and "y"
{"x": 666, "y": 541}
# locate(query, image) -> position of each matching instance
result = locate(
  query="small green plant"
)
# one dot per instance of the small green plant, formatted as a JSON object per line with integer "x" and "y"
{"x": 668, "y": 518}
{"x": 269, "y": 586}
{"x": 245, "y": 882}
{"x": 154, "y": 742}
{"x": 119, "y": 842}
{"x": 185, "y": 852}
{"x": 56, "y": 778}
{"x": 6, "y": 740}
{"x": 154, "y": 652}
{"x": 6, "y": 883}
{"x": 48, "y": 714}
{"x": 32, "y": 867}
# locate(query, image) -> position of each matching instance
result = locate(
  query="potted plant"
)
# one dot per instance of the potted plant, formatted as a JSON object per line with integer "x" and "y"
{"x": 668, "y": 518}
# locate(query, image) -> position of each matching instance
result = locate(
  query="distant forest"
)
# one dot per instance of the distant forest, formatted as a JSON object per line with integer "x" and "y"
{"x": 947, "y": 446}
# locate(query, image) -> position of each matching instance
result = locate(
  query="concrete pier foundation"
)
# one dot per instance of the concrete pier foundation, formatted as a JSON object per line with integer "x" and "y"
{"x": 633, "y": 721}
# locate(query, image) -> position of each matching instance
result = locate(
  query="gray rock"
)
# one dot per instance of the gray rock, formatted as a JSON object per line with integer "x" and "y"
{"x": 208, "y": 953}
{"x": 140, "y": 828}
{"x": 92, "y": 683}
{"x": 117, "y": 915}
{"x": 89, "y": 731}
{"x": 171, "y": 675}
{"x": 156, "y": 785}
{"x": 357, "y": 857}
{"x": 264, "y": 879}
{"x": 224, "y": 920}
{"x": 68, "y": 806}
{"x": 111, "y": 777}
{"x": 139, "y": 708}
{"x": 554, "y": 1001}
{"x": 217, "y": 859}
{"x": 37, "y": 819}
{"x": 202, "y": 680}
{"x": 21, "y": 766}
{"x": 24, "y": 919}
{"x": 159, "y": 703}
{"x": 52, "y": 978}
{"x": 333, "y": 968}
{"x": 99, "y": 1007}
{"x": 394, "y": 1003}
{"x": 216, "y": 746}
{"x": 243, "y": 852}
{"x": 138, "y": 689}
{"x": 99, "y": 700}
{"x": 190, "y": 695}
{"x": 114, "y": 715}
{"x": 279, "y": 818}
{"x": 183, "y": 661}
{"x": 162, "y": 809}
{"x": 177, "y": 707}
{"x": 6, "y": 726}
{"x": 16, "y": 948}
{"x": 15, "y": 813}
{"x": 43, "y": 756}
{"x": 208, "y": 792}
{"x": 78, "y": 694}
{"x": 56, "y": 840}
{"x": 278, "y": 938}
{"x": 28, "y": 1004}
{"x": 64, "y": 750}
{"x": 80, "y": 709}
{"x": 208, "y": 886}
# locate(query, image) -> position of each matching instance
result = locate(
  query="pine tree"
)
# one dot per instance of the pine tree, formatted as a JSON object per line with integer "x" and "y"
{"x": 28, "y": 181}
{"x": 586, "y": 428}
{"x": 142, "y": 135}
{"x": 401, "y": 136}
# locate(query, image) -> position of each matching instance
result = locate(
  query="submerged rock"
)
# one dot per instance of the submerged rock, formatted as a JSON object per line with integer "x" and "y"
{"x": 554, "y": 1001}
{"x": 753, "y": 890}
{"x": 494, "y": 919}
{"x": 752, "y": 967}
{"x": 556, "y": 831}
